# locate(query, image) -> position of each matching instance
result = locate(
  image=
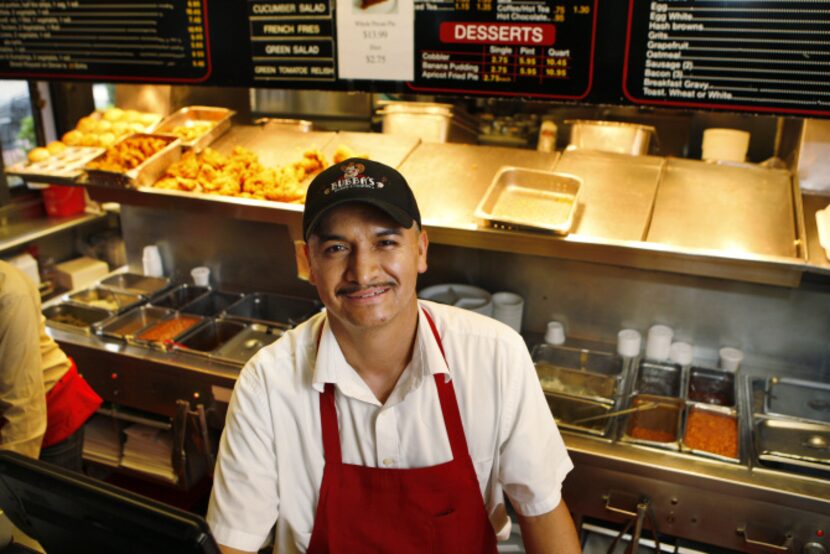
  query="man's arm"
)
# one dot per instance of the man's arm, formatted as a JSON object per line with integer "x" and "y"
{"x": 550, "y": 533}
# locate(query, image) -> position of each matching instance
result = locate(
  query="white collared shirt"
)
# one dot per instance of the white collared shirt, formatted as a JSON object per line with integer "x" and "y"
{"x": 271, "y": 461}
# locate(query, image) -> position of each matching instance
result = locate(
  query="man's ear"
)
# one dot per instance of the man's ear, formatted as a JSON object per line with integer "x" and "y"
{"x": 303, "y": 260}
{"x": 423, "y": 246}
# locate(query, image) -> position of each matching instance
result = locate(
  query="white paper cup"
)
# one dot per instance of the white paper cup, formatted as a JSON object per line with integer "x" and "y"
{"x": 151, "y": 261}
{"x": 508, "y": 308}
{"x": 555, "y": 333}
{"x": 201, "y": 276}
{"x": 728, "y": 145}
{"x": 629, "y": 342}
{"x": 681, "y": 353}
{"x": 658, "y": 343}
{"x": 730, "y": 358}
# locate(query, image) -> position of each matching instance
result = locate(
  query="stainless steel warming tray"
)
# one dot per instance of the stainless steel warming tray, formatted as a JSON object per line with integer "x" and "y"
{"x": 210, "y": 120}
{"x": 658, "y": 427}
{"x": 246, "y": 343}
{"x": 531, "y": 198}
{"x": 65, "y": 167}
{"x": 273, "y": 309}
{"x": 212, "y": 304}
{"x": 793, "y": 444}
{"x": 209, "y": 337}
{"x": 111, "y": 300}
{"x": 136, "y": 284}
{"x": 144, "y": 174}
{"x": 806, "y": 400}
{"x": 659, "y": 379}
{"x": 130, "y": 324}
{"x": 576, "y": 383}
{"x": 712, "y": 432}
{"x": 569, "y": 410}
{"x": 710, "y": 386}
{"x": 74, "y": 318}
{"x": 180, "y": 296}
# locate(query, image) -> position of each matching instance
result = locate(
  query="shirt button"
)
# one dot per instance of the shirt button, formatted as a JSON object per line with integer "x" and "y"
{"x": 388, "y": 461}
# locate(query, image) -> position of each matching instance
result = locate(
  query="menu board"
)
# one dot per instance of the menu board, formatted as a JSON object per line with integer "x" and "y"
{"x": 292, "y": 40}
{"x": 533, "y": 48}
{"x": 760, "y": 55}
{"x": 106, "y": 40}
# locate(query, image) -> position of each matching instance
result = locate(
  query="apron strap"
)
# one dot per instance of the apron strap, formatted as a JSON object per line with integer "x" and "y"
{"x": 331, "y": 431}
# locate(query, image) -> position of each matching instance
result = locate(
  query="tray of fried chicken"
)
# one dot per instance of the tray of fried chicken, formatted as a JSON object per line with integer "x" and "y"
{"x": 242, "y": 174}
{"x": 137, "y": 160}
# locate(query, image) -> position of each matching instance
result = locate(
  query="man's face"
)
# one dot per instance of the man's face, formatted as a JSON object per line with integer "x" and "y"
{"x": 365, "y": 265}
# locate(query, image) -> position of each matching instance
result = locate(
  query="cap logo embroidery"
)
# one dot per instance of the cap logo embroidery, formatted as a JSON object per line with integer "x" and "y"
{"x": 353, "y": 177}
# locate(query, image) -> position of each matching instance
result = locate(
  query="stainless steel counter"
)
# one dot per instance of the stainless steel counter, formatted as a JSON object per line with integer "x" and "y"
{"x": 20, "y": 233}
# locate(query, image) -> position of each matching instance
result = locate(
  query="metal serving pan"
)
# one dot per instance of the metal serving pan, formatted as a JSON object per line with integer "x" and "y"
{"x": 576, "y": 383}
{"x": 146, "y": 173}
{"x": 796, "y": 445}
{"x": 65, "y": 167}
{"x": 568, "y": 409}
{"x": 211, "y": 304}
{"x": 180, "y": 296}
{"x": 218, "y": 118}
{"x": 805, "y": 400}
{"x": 105, "y": 299}
{"x": 246, "y": 343}
{"x": 75, "y": 318}
{"x": 531, "y": 198}
{"x": 208, "y": 337}
{"x": 578, "y": 358}
{"x": 710, "y": 386}
{"x": 135, "y": 283}
{"x": 658, "y": 427}
{"x": 659, "y": 379}
{"x": 165, "y": 334}
{"x": 701, "y": 425}
{"x": 273, "y": 309}
{"x": 128, "y": 325}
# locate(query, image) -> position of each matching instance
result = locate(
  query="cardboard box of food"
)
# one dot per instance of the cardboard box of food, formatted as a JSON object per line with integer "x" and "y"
{"x": 80, "y": 272}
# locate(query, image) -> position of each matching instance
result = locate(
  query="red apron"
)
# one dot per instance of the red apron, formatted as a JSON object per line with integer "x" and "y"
{"x": 68, "y": 405}
{"x": 377, "y": 510}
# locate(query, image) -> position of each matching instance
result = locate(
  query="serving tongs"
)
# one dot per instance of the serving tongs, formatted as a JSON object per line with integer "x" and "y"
{"x": 640, "y": 408}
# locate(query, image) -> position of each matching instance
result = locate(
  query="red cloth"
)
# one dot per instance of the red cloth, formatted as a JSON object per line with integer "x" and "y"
{"x": 68, "y": 405}
{"x": 373, "y": 510}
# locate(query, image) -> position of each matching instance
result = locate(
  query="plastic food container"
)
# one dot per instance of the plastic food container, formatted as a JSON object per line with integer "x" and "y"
{"x": 63, "y": 201}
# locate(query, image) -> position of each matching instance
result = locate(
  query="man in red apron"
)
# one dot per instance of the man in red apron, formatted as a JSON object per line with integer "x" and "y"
{"x": 44, "y": 402}
{"x": 386, "y": 424}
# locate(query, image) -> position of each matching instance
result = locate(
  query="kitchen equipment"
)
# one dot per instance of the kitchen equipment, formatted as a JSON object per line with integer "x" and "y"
{"x": 65, "y": 167}
{"x": 428, "y": 121}
{"x": 129, "y": 324}
{"x": 795, "y": 398}
{"x": 729, "y": 145}
{"x": 273, "y": 309}
{"x": 213, "y": 121}
{"x": 246, "y": 343}
{"x": 146, "y": 173}
{"x": 659, "y": 426}
{"x": 568, "y": 410}
{"x": 80, "y": 272}
{"x": 531, "y": 198}
{"x": 658, "y": 379}
{"x": 75, "y": 318}
{"x": 180, "y": 296}
{"x": 105, "y": 299}
{"x": 137, "y": 284}
{"x": 712, "y": 431}
{"x": 710, "y": 386}
{"x": 639, "y": 408}
{"x": 793, "y": 445}
{"x": 610, "y": 136}
{"x": 164, "y": 334}
{"x": 592, "y": 361}
{"x": 468, "y": 297}
{"x": 211, "y": 304}
{"x": 573, "y": 382}
{"x": 208, "y": 337}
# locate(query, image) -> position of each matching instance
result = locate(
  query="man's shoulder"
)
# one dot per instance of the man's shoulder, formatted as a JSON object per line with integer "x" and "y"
{"x": 458, "y": 324}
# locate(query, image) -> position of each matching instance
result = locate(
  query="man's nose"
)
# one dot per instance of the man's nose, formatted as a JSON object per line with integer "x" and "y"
{"x": 363, "y": 266}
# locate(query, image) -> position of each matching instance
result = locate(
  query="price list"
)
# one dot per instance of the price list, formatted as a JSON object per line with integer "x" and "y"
{"x": 292, "y": 40}
{"x": 529, "y": 47}
{"x": 760, "y": 55}
{"x": 93, "y": 39}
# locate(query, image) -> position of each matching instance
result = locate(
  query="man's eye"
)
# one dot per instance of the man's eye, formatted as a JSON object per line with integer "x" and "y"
{"x": 334, "y": 248}
{"x": 388, "y": 242}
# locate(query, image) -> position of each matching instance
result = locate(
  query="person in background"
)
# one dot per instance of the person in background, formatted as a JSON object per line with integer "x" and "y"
{"x": 386, "y": 424}
{"x": 44, "y": 402}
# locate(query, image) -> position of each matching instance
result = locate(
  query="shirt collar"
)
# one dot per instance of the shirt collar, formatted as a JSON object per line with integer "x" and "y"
{"x": 331, "y": 365}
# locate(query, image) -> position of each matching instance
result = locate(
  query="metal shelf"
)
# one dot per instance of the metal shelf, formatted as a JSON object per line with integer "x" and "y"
{"x": 20, "y": 233}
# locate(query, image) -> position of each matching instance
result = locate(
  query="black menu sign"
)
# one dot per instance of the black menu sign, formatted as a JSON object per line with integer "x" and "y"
{"x": 105, "y": 39}
{"x": 760, "y": 55}
{"x": 532, "y": 48}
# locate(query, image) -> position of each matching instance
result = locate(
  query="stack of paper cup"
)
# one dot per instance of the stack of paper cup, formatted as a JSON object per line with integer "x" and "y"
{"x": 508, "y": 308}
{"x": 201, "y": 276}
{"x": 658, "y": 343}
{"x": 629, "y": 342}
{"x": 151, "y": 261}
{"x": 681, "y": 353}
{"x": 730, "y": 358}
{"x": 555, "y": 333}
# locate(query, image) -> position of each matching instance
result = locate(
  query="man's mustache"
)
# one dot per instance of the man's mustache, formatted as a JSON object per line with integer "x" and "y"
{"x": 351, "y": 289}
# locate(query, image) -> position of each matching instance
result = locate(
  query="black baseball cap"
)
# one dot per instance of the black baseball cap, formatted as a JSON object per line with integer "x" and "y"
{"x": 359, "y": 180}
